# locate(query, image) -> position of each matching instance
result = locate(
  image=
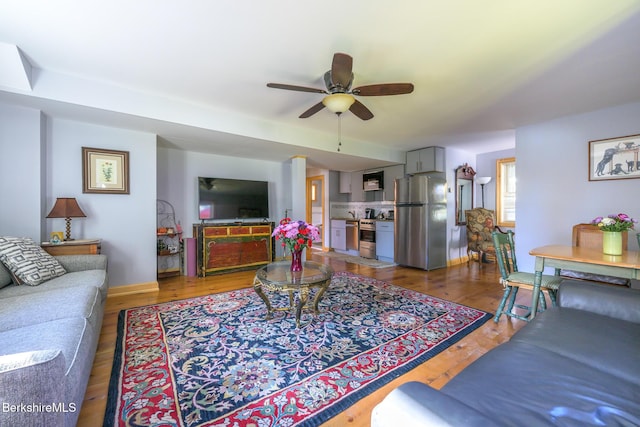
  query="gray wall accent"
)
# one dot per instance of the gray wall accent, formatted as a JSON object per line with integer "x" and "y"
{"x": 552, "y": 168}
{"x": 41, "y": 159}
{"x": 178, "y": 172}
{"x": 486, "y": 166}
{"x": 21, "y": 171}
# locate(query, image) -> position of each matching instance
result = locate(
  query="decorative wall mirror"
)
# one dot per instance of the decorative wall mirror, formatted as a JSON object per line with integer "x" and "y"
{"x": 464, "y": 192}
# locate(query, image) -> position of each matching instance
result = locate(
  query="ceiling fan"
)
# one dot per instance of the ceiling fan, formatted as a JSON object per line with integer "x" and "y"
{"x": 339, "y": 93}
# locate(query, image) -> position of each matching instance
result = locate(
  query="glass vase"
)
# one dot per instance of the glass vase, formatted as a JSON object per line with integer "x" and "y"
{"x": 612, "y": 242}
{"x": 296, "y": 260}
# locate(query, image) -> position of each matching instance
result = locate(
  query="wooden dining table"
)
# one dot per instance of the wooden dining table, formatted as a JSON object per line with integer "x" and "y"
{"x": 582, "y": 259}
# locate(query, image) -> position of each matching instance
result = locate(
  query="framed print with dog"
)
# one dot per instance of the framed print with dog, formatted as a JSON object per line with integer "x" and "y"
{"x": 105, "y": 171}
{"x": 614, "y": 158}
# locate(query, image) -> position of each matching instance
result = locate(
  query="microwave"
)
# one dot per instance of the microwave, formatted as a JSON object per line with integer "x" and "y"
{"x": 372, "y": 181}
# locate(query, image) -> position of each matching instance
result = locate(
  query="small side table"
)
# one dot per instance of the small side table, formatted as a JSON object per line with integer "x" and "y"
{"x": 278, "y": 277}
{"x": 73, "y": 247}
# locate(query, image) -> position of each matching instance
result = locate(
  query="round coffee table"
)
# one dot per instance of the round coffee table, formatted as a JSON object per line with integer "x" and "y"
{"x": 278, "y": 277}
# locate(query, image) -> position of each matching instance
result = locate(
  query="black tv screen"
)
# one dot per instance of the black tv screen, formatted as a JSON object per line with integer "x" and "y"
{"x": 224, "y": 198}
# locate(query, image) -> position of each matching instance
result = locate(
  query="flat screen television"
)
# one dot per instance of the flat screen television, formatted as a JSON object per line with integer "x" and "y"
{"x": 225, "y": 198}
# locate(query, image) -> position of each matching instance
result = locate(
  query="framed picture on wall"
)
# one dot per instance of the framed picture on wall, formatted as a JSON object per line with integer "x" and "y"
{"x": 105, "y": 171}
{"x": 614, "y": 158}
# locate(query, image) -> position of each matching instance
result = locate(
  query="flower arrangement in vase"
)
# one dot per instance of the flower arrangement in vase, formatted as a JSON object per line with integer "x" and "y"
{"x": 296, "y": 235}
{"x": 612, "y": 228}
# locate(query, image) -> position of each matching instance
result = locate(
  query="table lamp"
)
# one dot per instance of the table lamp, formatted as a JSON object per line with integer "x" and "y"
{"x": 67, "y": 208}
{"x": 483, "y": 180}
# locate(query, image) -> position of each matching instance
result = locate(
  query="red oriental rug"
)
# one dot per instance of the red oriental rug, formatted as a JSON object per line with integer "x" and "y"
{"x": 216, "y": 361}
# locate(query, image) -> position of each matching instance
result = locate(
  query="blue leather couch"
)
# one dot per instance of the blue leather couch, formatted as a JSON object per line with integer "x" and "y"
{"x": 574, "y": 365}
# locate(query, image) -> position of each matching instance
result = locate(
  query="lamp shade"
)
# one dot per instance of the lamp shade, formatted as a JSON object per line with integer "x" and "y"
{"x": 483, "y": 180}
{"x": 338, "y": 102}
{"x": 66, "y": 207}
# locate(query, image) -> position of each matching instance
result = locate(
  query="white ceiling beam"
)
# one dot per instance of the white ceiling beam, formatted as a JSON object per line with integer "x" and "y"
{"x": 15, "y": 69}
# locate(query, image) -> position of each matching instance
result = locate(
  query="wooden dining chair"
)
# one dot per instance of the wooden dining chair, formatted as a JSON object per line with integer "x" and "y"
{"x": 512, "y": 279}
{"x": 590, "y": 236}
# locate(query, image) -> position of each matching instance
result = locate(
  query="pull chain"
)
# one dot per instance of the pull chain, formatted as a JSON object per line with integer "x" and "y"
{"x": 339, "y": 130}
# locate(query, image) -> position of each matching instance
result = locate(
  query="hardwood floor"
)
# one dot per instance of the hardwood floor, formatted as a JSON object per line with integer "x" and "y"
{"x": 469, "y": 285}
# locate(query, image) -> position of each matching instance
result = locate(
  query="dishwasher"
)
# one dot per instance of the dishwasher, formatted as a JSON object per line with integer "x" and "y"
{"x": 353, "y": 235}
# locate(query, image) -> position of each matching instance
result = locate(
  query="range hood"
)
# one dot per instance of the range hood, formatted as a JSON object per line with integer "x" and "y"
{"x": 372, "y": 181}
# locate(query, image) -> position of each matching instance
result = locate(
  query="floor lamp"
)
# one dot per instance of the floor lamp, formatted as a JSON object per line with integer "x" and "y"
{"x": 483, "y": 180}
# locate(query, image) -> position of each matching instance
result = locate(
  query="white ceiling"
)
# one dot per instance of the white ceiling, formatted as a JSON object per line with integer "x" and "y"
{"x": 195, "y": 72}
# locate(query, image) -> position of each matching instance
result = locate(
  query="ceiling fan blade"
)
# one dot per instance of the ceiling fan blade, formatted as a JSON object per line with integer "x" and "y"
{"x": 383, "y": 89}
{"x": 311, "y": 111}
{"x": 296, "y": 88}
{"x": 361, "y": 111}
{"x": 341, "y": 70}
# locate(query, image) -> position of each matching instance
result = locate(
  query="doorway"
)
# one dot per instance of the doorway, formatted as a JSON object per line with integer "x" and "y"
{"x": 315, "y": 207}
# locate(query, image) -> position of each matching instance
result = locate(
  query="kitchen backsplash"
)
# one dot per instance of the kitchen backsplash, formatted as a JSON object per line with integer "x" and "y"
{"x": 341, "y": 209}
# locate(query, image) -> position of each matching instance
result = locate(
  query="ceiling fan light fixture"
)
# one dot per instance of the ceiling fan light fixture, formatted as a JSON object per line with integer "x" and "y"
{"x": 338, "y": 102}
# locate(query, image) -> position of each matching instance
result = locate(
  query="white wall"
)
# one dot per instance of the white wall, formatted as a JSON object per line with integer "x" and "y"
{"x": 552, "y": 168}
{"x": 41, "y": 159}
{"x": 22, "y": 150}
{"x": 178, "y": 172}
{"x": 486, "y": 166}
{"x": 124, "y": 222}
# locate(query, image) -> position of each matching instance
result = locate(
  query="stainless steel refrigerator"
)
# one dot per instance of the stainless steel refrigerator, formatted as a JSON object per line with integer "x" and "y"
{"x": 421, "y": 222}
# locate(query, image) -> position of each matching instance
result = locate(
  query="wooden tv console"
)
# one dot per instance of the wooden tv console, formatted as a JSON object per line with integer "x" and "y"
{"x": 232, "y": 246}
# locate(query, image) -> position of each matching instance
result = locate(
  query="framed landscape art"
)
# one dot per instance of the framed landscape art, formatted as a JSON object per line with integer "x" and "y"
{"x": 614, "y": 158}
{"x": 105, "y": 171}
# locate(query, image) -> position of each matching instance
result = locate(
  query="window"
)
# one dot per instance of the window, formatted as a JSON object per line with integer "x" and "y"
{"x": 506, "y": 192}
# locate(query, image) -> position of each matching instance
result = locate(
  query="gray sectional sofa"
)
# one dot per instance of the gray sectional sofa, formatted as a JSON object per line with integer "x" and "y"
{"x": 48, "y": 339}
{"x": 574, "y": 365}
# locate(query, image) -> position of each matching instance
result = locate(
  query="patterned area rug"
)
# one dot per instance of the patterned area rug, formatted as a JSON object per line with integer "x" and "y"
{"x": 216, "y": 361}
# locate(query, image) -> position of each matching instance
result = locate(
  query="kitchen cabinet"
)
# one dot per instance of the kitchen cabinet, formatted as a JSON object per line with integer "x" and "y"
{"x": 384, "y": 240}
{"x": 339, "y": 234}
{"x": 430, "y": 159}
{"x": 345, "y": 182}
{"x": 391, "y": 173}
{"x": 357, "y": 192}
{"x": 351, "y": 182}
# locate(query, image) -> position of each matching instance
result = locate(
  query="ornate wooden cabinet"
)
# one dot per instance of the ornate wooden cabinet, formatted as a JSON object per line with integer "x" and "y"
{"x": 235, "y": 246}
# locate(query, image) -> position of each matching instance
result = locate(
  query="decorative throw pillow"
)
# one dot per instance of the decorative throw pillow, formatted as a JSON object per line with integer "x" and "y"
{"x": 5, "y": 276}
{"x": 28, "y": 262}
